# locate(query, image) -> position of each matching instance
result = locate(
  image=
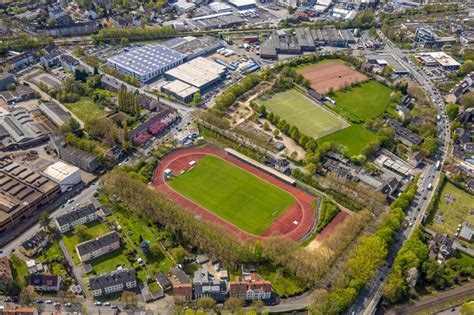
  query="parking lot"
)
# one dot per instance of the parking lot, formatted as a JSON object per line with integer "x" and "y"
{"x": 50, "y": 79}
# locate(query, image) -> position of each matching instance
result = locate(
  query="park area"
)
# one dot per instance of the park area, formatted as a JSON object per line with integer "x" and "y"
{"x": 233, "y": 194}
{"x": 369, "y": 99}
{"x": 331, "y": 75}
{"x": 85, "y": 109}
{"x": 454, "y": 207}
{"x": 298, "y": 110}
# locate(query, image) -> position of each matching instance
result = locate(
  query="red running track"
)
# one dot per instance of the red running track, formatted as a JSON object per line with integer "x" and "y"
{"x": 295, "y": 222}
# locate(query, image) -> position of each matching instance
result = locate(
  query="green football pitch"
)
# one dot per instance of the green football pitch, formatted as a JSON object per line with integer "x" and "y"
{"x": 233, "y": 194}
{"x": 298, "y": 110}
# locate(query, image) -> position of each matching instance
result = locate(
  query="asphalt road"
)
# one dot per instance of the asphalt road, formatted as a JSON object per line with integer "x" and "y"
{"x": 371, "y": 295}
{"x": 84, "y": 197}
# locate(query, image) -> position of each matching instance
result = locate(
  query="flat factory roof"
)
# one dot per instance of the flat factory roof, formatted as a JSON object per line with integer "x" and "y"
{"x": 180, "y": 88}
{"x": 146, "y": 59}
{"x": 60, "y": 171}
{"x": 442, "y": 58}
{"x": 197, "y": 72}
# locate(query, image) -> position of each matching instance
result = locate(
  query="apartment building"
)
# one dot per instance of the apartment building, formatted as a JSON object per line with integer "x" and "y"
{"x": 112, "y": 282}
{"x": 70, "y": 220}
{"x": 100, "y": 246}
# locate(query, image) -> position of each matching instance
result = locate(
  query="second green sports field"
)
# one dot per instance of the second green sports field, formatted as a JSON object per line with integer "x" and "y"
{"x": 298, "y": 110}
{"x": 233, "y": 194}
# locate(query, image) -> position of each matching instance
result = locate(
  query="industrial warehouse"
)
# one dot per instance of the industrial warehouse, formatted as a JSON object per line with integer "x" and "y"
{"x": 304, "y": 39}
{"x": 22, "y": 192}
{"x": 147, "y": 62}
{"x": 200, "y": 73}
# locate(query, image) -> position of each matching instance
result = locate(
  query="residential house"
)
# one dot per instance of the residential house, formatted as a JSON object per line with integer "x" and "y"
{"x": 206, "y": 285}
{"x": 415, "y": 159}
{"x": 41, "y": 282}
{"x": 184, "y": 290}
{"x": 250, "y": 290}
{"x": 35, "y": 244}
{"x": 112, "y": 282}
{"x": 164, "y": 282}
{"x": 5, "y": 270}
{"x": 50, "y": 58}
{"x": 466, "y": 233}
{"x": 34, "y": 267}
{"x": 441, "y": 246}
{"x": 70, "y": 220}
{"x": 405, "y": 135}
{"x": 183, "y": 286}
{"x": 100, "y": 246}
{"x": 69, "y": 62}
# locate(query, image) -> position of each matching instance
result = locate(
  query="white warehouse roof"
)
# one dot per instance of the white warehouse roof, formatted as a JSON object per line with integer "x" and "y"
{"x": 197, "y": 72}
{"x": 60, "y": 171}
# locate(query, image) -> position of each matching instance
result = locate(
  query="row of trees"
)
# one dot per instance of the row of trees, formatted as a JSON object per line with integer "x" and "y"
{"x": 228, "y": 98}
{"x": 128, "y": 101}
{"x": 291, "y": 131}
{"x": 308, "y": 266}
{"x": 362, "y": 264}
{"x": 135, "y": 33}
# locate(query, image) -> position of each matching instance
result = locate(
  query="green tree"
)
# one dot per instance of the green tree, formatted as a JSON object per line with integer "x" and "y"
{"x": 11, "y": 86}
{"x": 234, "y": 304}
{"x": 452, "y": 110}
{"x": 467, "y": 100}
{"x": 179, "y": 254}
{"x": 276, "y": 132}
{"x": 82, "y": 233}
{"x": 206, "y": 303}
{"x": 197, "y": 97}
{"x": 44, "y": 220}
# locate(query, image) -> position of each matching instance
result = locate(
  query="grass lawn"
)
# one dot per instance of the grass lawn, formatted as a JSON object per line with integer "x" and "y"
{"x": 464, "y": 260}
{"x": 51, "y": 251}
{"x": 233, "y": 194}
{"x": 134, "y": 228}
{"x": 70, "y": 239}
{"x": 19, "y": 271}
{"x": 110, "y": 262}
{"x": 298, "y": 110}
{"x": 453, "y": 209}
{"x": 360, "y": 103}
{"x": 85, "y": 109}
{"x": 353, "y": 138}
{"x": 283, "y": 283}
